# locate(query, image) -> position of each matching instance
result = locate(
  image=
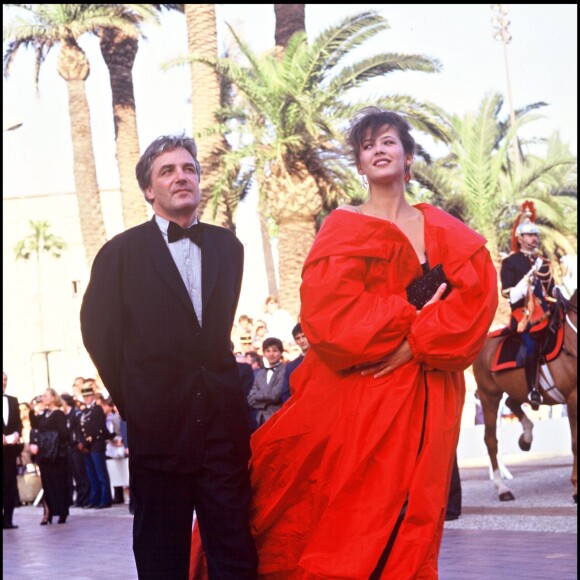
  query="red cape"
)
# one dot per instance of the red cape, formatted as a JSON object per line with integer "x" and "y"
{"x": 331, "y": 470}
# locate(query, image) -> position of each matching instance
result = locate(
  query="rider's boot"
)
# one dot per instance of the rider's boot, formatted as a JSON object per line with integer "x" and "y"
{"x": 531, "y": 368}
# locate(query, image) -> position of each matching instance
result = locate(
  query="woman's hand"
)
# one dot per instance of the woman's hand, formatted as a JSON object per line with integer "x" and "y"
{"x": 437, "y": 296}
{"x": 391, "y": 362}
{"x": 34, "y": 449}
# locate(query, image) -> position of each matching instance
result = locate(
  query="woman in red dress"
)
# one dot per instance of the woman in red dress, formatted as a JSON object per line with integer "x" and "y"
{"x": 350, "y": 478}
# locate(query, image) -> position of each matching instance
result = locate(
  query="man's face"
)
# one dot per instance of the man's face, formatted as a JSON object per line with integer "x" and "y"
{"x": 272, "y": 355}
{"x": 301, "y": 340}
{"x": 529, "y": 242}
{"x": 174, "y": 189}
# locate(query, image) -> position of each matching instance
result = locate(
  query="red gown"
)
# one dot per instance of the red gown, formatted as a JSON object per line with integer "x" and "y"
{"x": 331, "y": 470}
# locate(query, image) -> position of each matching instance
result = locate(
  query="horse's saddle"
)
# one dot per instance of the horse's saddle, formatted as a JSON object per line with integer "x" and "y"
{"x": 510, "y": 350}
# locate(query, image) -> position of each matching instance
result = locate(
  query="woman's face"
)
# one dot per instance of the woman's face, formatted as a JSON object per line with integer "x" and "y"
{"x": 47, "y": 398}
{"x": 382, "y": 157}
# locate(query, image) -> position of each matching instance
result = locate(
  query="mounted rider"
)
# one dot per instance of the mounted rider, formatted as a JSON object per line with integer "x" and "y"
{"x": 527, "y": 282}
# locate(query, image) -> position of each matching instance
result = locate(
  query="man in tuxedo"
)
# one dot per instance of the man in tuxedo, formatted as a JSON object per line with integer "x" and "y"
{"x": 265, "y": 396}
{"x": 156, "y": 319}
{"x": 11, "y": 449}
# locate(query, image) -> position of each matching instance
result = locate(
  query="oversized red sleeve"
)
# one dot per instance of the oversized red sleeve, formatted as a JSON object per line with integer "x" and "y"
{"x": 449, "y": 334}
{"x": 345, "y": 323}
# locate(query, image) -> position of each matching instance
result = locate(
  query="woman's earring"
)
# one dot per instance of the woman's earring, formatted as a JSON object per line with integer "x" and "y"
{"x": 407, "y": 173}
{"x": 365, "y": 181}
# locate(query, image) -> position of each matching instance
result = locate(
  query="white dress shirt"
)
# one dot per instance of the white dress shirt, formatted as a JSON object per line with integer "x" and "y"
{"x": 5, "y": 409}
{"x": 187, "y": 258}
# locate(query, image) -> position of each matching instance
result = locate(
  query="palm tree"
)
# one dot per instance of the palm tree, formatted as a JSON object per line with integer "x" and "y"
{"x": 40, "y": 243}
{"x": 45, "y": 26}
{"x": 475, "y": 182}
{"x": 119, "y": 49}
{"x": 294, "y": 109}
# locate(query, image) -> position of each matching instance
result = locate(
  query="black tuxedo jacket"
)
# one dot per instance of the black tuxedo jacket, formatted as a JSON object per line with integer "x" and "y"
{"x": 141, "y": 331}
{"x": 14, "y": 424}
{"x": 93, "y": 428}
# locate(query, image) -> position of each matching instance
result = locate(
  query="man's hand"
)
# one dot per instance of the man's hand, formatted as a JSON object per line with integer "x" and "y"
{"x": 520, "y": 289}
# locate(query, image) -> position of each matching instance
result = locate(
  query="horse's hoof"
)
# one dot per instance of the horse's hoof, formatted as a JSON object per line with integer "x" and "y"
{"x": 506, "y": 496}
{"x": 524, "y": 445}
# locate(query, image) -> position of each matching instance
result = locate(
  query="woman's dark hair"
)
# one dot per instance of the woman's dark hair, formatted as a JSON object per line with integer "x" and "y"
{"x": 373, "y": 119}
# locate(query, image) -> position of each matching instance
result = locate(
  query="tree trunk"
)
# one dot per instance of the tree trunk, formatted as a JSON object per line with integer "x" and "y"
{"x": 295, "y": 241}
{"x": 73, "y": 67}
{"x": 205, "y": 97}
{"x": 119, "y": 52}
{"x": 294, "y": 201}
{"x": 290, "y": 18}
{"x": 268, "y": 257}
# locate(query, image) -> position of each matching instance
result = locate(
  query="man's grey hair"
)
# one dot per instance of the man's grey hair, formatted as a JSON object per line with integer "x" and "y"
{"x": 162, "y": 145}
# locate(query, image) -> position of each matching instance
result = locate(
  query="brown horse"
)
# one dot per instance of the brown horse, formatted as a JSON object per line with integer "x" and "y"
{"x": 492, "y": 385}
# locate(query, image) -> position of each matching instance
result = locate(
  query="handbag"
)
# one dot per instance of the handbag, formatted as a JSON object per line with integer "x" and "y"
{"x": 50, "y": 448}
{"x": 114, "y": 451}
{"x": 421, "y": 290}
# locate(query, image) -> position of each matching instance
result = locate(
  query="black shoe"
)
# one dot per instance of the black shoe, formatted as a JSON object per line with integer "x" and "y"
{"x": 451, "y": 517}
{"x": 89, "y": 506}
{"x": 62, "y": 520}
{"x": 46, "y": 520}
{"x": 9, "y": 527}
{"x": 103, "y": 506}
{"x": 535, "y": 399}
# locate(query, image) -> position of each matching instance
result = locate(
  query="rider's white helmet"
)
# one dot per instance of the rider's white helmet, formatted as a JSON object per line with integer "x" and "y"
{"x": 527, "y": 227}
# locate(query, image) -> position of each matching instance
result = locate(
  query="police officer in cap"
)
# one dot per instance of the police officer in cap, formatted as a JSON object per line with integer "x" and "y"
{"x": 527, "y": 282}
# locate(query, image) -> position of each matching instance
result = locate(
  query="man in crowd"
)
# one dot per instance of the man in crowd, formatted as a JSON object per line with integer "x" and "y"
{"x": 11, "y": 449}
{"x": 301, "y": 340}
{"x": 265, "y": 398}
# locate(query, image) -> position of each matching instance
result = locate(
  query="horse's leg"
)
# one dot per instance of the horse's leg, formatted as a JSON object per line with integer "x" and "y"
{"x": 525, "y": 440}
{"x": 571, "y": 405}
{"x": 490, "y": 405}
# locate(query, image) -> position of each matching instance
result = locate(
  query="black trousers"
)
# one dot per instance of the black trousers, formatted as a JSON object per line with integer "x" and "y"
{"x": 78, "y": 473}
{"x": 454, "y": 501}
{"x": 9, "y": 487}
{"x": 219, "y": 492}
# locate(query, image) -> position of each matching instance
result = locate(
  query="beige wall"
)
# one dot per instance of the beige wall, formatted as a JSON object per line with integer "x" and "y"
{"x": 22, "y": 344}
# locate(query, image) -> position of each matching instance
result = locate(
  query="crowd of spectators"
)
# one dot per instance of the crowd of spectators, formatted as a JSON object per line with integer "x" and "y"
{"x": 93, "y": 470}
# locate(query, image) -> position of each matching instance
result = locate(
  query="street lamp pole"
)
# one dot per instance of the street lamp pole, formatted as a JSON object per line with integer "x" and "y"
{"x": 500, "y": 22}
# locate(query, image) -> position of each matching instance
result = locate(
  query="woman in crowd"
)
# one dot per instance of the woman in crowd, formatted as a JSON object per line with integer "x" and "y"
{"x": 49, "y": 439}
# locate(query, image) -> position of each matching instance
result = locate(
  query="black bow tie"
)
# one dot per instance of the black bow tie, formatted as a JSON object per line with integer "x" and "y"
{"x": 194, "y": 233}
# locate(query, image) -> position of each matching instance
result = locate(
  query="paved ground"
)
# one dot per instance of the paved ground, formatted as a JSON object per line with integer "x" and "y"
{"x": 533, "y": 537}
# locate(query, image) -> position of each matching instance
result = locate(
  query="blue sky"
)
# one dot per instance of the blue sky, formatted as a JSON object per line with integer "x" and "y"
{"x": 542, "y": 58}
